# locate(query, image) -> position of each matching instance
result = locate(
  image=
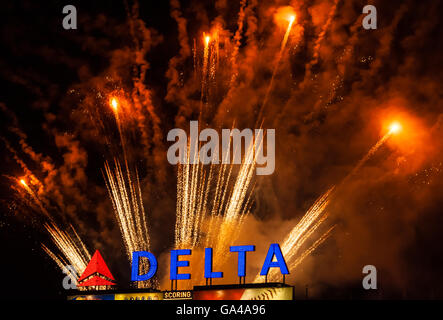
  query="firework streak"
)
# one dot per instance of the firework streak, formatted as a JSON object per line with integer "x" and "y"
{"x": 125, "y": 193}
{"x": 72, "y": 248}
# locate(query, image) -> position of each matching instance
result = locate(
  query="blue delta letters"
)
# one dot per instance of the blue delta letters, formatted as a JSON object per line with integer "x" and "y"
{"x": 274, "y": 259}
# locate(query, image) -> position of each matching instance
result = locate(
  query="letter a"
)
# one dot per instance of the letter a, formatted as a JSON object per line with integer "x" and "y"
{"x": 370, "y": 21}
{"x": 370, "y": 281}
{"x": 274, "y": 250}
{"x": 70, "y": 21}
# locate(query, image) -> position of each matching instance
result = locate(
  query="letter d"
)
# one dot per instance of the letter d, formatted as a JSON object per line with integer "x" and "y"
{"x": 135, "y": 276}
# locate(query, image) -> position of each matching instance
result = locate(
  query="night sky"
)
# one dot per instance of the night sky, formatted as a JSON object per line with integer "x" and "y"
{"x": 335, "y": 91}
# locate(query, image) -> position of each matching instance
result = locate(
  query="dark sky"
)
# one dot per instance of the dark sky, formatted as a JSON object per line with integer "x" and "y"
{"x": 336, "y": 89}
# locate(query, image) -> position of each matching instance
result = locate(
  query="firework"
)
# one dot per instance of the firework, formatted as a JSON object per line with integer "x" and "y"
{"x": 61, "y": 263}
{"x": 204, "y": 82}
{"x": 115, "y": 105}
{"x": 302, "y": 232}
{"x": 72, "y": 248}
{"x": 125, "y": 193}
{"x": 291, "y": 20}
{"x": 317, "y": 214}
{"x": 34, "y": 197}
{"x": 299, "y": 259}
{"x": 306, "y": 225}
{"x": 393, "y": 129}
{"x": 123, "y": 185}
{"x": 222, "y": 215}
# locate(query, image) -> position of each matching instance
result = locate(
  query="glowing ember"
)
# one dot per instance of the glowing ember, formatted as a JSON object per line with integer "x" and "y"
{"x": 114, "y": 104}
{"x": 395, "y": 127}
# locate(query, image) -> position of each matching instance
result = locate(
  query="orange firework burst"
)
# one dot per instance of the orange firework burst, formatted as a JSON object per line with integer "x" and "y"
{"x": 283, "y": 15}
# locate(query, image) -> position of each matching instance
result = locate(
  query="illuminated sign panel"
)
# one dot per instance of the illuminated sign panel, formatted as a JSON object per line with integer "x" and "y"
{"x": 93, "y": 297}
{"x": 139, "y": 296}
{"x": 177, "y": 295}
{"x": 120, "y": 296}
{"x": 270, "y": 293}
{"x": 266, "y": 293}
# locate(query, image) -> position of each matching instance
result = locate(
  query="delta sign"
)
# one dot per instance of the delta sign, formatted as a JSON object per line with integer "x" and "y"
{"x": 274, "y": 251}
{"x": 97, "y": 273}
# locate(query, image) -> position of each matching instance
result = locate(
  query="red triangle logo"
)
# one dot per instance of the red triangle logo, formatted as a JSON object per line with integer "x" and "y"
{"x": 96, "y": 281}
{"x": 99, "y": 270}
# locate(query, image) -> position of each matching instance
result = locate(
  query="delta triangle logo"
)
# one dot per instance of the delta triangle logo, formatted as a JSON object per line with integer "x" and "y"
{"x": 96, "y": 273}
